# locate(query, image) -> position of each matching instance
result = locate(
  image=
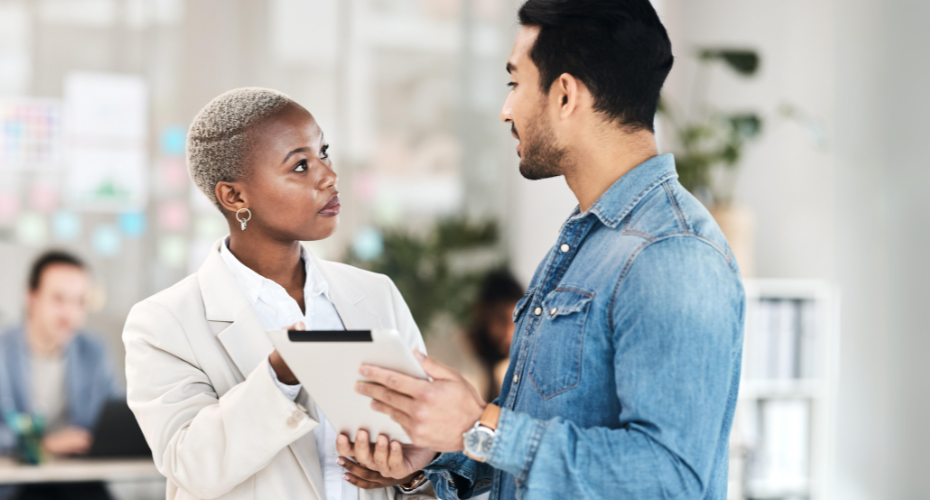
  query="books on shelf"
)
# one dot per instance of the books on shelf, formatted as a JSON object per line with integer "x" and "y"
{"x": 780, "y": 460}
{"x": 780, "y": 340}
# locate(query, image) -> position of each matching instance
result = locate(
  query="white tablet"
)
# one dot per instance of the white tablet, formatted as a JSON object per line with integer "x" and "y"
{"x": 327, "y": 362}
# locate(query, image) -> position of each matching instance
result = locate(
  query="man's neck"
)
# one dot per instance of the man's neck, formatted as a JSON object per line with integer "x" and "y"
{"x": 41, "y": 343}
{"x": 601, "y": 160}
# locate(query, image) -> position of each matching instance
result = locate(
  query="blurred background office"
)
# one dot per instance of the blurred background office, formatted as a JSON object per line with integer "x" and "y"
{"x": 800, "y": 123}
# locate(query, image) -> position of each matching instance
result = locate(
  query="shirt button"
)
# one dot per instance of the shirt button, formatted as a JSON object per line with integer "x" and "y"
{"x": 565, "y": 248}
{"x": 537, "y": 311}
{"x": 553, "y": 311}
{"x": 292, "y": 422}
{"x": 516, "y": 378}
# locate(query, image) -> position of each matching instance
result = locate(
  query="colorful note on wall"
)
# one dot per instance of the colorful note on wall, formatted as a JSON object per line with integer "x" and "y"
{"x": 173, "y": 215}
{"x": 32, "y": 230}
{"x": 66, "y": 225}
{"x": 106, "y": 240}
{"x": 30, "y": 134}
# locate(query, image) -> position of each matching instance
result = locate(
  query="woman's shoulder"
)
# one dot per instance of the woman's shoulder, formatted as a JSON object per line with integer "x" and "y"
{"x": 177, "y": 296}
{"x": 354, "y": 275}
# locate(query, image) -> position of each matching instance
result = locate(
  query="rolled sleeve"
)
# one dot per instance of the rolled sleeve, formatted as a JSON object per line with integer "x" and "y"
{"x": 516, "y": 443}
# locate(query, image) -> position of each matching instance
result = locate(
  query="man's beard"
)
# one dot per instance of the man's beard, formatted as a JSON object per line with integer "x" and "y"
{"x": 541, "y": 158}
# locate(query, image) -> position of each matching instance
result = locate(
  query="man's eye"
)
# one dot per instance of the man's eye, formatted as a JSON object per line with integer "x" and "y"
{"x": 301, "y": 167}
{"x": 324, "y": 152}
{"x": 512, "y": 84}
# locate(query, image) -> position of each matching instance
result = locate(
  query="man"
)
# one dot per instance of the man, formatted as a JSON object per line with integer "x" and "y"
{"x": 49, "y": 367}
{"x": 624, "y": 368}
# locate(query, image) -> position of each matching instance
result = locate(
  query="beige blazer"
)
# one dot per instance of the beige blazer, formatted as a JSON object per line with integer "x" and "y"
{"x": 198, "y": 383}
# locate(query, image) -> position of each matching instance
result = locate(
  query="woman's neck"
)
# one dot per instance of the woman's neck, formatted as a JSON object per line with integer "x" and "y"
{"x": 275, "y": 260}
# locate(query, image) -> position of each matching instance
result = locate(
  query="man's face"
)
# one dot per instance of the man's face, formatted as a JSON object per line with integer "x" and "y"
{"x": 527, "y": 112}
{"x": 58, "y": 307}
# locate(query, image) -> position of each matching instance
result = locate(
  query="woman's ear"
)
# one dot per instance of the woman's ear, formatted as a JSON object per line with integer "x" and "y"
{"x": 230, "y": 196}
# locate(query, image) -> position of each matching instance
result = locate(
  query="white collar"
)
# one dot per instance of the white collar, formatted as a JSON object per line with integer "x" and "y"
{"x": 252, "y": 282}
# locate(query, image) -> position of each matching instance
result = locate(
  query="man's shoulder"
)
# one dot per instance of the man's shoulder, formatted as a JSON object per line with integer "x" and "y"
{"x": 89, "y": 341}
{"x": 670, "y": 211}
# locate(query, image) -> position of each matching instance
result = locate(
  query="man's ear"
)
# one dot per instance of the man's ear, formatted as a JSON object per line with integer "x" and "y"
{"x": 568, "y": 91}
{"x": 230, "y": 196}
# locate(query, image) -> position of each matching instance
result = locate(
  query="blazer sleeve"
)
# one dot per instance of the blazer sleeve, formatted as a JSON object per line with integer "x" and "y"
{"x": 201, "y": 442}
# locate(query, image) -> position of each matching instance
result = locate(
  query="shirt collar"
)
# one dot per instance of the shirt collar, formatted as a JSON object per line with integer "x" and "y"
{"x": 620, "y": 199}
{"x": 252, "y": 282}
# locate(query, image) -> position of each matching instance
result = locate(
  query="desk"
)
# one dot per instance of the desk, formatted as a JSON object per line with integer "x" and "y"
{"x": 59, "y": 470}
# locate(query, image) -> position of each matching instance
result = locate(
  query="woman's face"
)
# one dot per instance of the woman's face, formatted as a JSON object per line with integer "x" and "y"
{"x": 291, "y": 186}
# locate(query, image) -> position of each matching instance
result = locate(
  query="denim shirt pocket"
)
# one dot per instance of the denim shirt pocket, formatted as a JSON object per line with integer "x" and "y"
{"x": 555, "y": 366}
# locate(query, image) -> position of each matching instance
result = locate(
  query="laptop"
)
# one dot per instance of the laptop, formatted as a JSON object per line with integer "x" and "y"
{"x": 117, "y": 435}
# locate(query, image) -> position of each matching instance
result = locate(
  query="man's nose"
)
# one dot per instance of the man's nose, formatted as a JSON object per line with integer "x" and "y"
{"x": 507, "y": 110}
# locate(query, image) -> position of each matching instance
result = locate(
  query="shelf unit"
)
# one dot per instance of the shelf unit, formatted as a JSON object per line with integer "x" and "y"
{"x": 786, "y": 413}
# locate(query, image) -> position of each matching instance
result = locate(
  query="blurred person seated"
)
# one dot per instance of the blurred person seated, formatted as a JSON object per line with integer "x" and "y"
{"x": 492, "y": 327}
{"x": 52, "y": 369}
{"x": 481, "y": 352}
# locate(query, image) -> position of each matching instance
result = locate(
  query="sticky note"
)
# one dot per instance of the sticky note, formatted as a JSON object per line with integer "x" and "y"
{"x": 32, "y": 229}
{"x": 106, "y": 240}
{"x": 43, "y": 198}
{"x": 66, "y": 225}
{"x": 173, "y": 139}
{"x": 172, "y": 251}
{"x": 173, "y": 216}
{"x": 132, "y": 224}
{"x": 368, "y": 244}
{"x": 9, "y": 207}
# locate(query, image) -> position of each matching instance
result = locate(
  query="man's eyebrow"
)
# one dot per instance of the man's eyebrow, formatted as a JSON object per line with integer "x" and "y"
{"x": 292, "y": 153}
{"x": 511, "y": 67}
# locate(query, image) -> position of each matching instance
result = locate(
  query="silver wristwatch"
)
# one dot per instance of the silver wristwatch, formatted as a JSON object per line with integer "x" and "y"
{"x": 480, "y": 438}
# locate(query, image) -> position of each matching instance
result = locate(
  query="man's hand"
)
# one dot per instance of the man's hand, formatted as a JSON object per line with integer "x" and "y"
{"x": 68, "y": 441}
{"x": 396, "y": 461}
{"x": 434, "y": 414}
{"x": 283, "y": 372}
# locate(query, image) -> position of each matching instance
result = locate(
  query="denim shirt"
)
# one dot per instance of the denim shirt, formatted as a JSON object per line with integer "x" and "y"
{"x": 625, "y": 364}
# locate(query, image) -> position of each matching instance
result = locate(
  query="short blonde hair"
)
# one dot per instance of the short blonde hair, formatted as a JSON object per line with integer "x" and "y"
{"x": 218, "y": 142}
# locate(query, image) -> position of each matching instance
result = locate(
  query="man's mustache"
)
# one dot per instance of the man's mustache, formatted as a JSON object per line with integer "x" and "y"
{"x": 513, "y": 130}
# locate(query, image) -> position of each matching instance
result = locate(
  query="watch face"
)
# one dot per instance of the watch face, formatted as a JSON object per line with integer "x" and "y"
{"x": 478, "y": 441}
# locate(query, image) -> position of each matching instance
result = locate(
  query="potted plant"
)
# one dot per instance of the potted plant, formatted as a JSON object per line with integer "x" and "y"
{"x": 709, "y": 146}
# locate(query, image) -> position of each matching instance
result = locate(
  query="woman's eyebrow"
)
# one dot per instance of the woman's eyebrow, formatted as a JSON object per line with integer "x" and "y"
{"x": 292, "y": 153}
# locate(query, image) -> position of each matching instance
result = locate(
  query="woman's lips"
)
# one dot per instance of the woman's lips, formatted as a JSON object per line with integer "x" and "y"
{"x": 332, "y": 208}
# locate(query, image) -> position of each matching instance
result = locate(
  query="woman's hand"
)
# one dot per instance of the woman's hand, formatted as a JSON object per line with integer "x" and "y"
{"x": 281, "y": 370}
{"x": 368, "y": 479}
{"x": 392, "y": 460}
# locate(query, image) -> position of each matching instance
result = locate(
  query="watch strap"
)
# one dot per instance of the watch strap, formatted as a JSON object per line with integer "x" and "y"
{"x": 490, "y": 416}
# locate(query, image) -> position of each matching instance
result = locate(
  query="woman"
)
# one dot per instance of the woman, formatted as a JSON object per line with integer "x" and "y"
{"x": 224, "y": 415}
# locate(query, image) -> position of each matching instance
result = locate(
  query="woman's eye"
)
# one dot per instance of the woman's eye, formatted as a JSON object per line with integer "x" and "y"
{"x": 512, "y": 85}
{"x": 301, "y": 167}
{"x": 324, "y": 152}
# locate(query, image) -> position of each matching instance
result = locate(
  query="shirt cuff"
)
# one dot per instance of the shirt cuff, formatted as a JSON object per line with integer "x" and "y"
{"x": 515, "y": 444}
{"x": 291, "y": 391}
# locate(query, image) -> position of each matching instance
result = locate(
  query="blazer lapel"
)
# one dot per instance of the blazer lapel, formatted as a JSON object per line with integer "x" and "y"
{"x": 247, "y": 344}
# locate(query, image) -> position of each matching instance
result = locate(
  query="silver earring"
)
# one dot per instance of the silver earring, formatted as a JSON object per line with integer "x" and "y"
{"x": 246, "y": 220}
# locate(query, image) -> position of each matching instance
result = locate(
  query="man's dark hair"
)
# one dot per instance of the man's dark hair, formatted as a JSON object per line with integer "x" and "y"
{"x": 618, "y": 48}
{"x": 47, "y": 259}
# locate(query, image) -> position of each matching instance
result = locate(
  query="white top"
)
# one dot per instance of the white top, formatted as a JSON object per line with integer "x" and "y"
{"x": 48, "y": 390}
{"x": 277, "y": 310}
